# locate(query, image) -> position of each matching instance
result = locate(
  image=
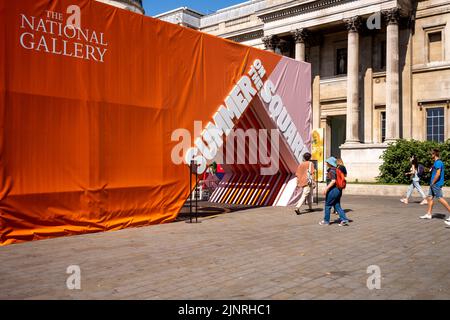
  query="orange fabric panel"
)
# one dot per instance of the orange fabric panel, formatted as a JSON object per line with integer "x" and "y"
{"x": 85, "y": 146}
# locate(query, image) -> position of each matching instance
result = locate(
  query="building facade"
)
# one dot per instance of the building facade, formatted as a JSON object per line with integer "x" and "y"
{"x": 381, "y": 68}
{"x": 131, "y": 5}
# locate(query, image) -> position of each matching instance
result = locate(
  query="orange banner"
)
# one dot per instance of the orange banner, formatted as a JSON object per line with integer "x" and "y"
{"x": 89, "y": 97}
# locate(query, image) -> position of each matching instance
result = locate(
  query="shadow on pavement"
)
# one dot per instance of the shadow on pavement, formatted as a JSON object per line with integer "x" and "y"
{"x": 209, "y": 210}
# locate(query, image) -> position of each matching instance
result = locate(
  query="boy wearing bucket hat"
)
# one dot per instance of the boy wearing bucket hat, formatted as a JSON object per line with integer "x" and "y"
{"x": 333, "y": 195}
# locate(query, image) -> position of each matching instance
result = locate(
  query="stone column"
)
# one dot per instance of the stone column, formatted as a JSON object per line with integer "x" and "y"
{"x": 326, "y": 125}
{"x": 271, "y": 42}
{"x": 315, "y": 70}
{"x": 392, "y": 76}
{"x": 352, "y": 130}
{"x": 406, "y": 81}
{"x": 367, "y": 90}
{"x": 300, "y": 47}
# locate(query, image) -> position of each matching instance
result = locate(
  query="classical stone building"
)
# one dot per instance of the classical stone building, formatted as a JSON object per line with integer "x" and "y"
{"x": 381, "y": 68}
{"x": 131, "y": 5}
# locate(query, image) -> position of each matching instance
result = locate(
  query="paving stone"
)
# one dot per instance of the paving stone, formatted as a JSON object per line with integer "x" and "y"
{"x": 263, "y": 253}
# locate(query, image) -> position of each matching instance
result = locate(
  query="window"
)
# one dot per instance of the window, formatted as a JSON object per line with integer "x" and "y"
{"x": 435, "y": 46}
{"x": 383, "y": 125}
{"x": 435, "y": 124}
{"x": 341, "y": 61}
{"x": 383, "y": 55}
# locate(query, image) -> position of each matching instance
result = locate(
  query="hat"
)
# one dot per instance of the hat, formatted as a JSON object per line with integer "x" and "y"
{"x": 332, "y": 161}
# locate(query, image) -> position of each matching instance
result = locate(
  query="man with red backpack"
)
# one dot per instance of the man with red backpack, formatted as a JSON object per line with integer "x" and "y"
{"x": 333, "y": 192}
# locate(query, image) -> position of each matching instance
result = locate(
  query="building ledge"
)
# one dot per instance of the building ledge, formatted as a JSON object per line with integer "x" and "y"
{"x": 258, "y": 34}
{"x": 242, "y": 32}
{"x": 333, "y": 100}
{"x": 286, "y": 10}
{"x": 333, "y": 79}
{"x": 432, "y": 66}
{"x": 352, "y": 146}
{"x": 379, "y": 74}
{"x": 425, "y": 102}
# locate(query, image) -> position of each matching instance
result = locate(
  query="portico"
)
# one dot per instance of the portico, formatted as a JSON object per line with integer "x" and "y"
{"x": 345, "y": 98}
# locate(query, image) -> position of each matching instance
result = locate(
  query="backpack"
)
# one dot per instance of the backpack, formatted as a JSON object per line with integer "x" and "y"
{"x": 340, "y": 179}
{"x": 420, "y": 170}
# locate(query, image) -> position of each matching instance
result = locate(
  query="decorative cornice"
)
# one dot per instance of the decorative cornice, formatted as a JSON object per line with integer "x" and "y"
{"x": 271, "y": 42}
{"x": 247, "y": 36}
{"x": 281, "y": 11}
{"x": 434, "y": 101}
{"x": 391, "y": 16}
{"x": 300, "y": 35}
{"x": 353, "y": 24}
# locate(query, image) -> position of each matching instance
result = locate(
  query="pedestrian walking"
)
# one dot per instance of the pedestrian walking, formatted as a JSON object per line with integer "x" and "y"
{"x": 436, "y": 183}
{"x": 416, "y": 172}
{"x": 333, "y": 193}
{"x": 341, "y": 167}
{"x": 305, "y": 179}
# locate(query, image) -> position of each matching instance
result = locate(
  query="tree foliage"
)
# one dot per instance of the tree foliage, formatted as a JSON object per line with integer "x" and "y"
{"x": 396, "y": 160}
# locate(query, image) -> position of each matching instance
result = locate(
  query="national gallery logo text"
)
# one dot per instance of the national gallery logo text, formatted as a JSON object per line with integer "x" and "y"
{"x": 62, "y": 34}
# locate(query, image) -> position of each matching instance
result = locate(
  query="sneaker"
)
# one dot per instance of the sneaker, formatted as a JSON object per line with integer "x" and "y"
{"x": 424, "y": 201}
{"x": 405, "y": 201}
{"x": 426, "y": 216}
{"x": 448, "y": 219}
{"x": 324, "y": 223}
{"x": 343, "y": 223}
{"x": 297, "y": 211}
{"x": 447, "y": 222}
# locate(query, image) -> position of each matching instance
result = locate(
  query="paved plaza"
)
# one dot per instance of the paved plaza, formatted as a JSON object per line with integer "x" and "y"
{"x": 262, "y": 253}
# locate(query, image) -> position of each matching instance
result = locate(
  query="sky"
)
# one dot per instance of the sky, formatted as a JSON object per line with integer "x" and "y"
{"x": 154, "y": 7}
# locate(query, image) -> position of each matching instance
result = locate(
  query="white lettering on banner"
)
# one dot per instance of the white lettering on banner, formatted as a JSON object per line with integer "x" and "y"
{"x": 279, "y": 113}
{"x": 51, "y": 35}
{"x": 211, "y": 139}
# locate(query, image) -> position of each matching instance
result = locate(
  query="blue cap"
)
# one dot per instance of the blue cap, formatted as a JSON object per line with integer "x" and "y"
{"x": 332, "y": 161}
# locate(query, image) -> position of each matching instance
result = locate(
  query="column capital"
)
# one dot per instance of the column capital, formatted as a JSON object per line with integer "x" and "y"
{"x": 353, "y": 24}
{"x": 271, "y": 42}
{"x": 391, "y": 16}
{"x": 300, "y": 35}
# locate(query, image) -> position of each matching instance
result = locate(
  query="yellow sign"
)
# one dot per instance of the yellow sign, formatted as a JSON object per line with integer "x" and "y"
{"x": 318, "y": 151}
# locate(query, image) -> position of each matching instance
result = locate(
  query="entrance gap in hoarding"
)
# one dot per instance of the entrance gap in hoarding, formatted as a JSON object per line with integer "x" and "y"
{"x": 316, "y": 171}
{"x": 193, "y": 171}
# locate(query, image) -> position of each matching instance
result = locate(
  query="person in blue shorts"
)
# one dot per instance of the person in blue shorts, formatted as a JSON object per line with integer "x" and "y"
{"x": 436, "y": 184}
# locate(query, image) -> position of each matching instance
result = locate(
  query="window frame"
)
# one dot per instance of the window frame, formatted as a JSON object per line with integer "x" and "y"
{"x": 427, "y": 32}
{"x": 377, "y": 123}
{"x": 336, "y": 49}
{"x": 445, "y": 107}
{"x": 382, "y": 112}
